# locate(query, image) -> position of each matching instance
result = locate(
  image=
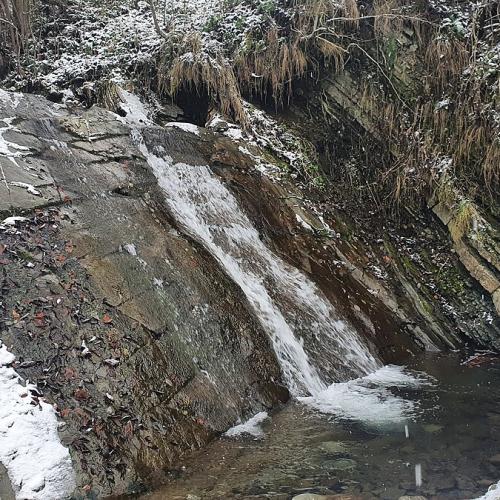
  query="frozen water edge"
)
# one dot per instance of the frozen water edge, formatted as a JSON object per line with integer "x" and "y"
{"x": 368, "y": 399}
{"x": 39, "y": 466}
{"x": 251, "y": 426}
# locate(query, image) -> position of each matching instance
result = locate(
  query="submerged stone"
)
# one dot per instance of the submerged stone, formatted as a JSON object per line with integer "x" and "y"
{"x": 433, "y": 428}
{"x": 344, "y": 464}
{"x": 334, "y": 447}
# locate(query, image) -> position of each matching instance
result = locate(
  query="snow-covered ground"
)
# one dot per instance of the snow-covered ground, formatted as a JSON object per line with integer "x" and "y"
{"x": 94, "y": 40}
{"x": 39, "y": 466}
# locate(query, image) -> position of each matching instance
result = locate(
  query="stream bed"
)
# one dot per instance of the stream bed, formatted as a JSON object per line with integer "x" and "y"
{"x": 444, "y": 427}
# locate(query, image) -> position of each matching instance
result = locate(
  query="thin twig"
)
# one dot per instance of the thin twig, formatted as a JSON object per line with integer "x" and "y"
{"x": 376, "y": 16}
{"x": 2, "y": 20}
{"x": 383, "y": 73}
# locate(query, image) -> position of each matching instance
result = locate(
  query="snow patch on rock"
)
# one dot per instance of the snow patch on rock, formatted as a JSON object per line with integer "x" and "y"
{"x": 39, "y": 466}
{"x": 251, "y": 426}
{"x": 493, "y": 493}
{"x": 187, "y": 127}
{"x": 131, "y": 249}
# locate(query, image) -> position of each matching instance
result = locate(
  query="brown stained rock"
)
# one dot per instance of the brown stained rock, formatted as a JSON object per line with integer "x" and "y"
{"x": 443, "y": 212}
{"x": 191, "y": 356}
{"x": 477, "y": 269}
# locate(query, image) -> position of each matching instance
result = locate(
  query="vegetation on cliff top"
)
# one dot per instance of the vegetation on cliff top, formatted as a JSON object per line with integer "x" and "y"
{"x": 443, "y": 129}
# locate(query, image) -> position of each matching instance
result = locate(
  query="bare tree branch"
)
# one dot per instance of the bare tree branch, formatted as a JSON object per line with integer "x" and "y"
{"x": 155, "y": 20}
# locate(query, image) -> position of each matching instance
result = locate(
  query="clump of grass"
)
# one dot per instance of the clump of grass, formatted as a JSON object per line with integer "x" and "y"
{"x": 463, "y": 219}
{"x": 201, "y": 71}
{"x": 446, "y": 58}
{"x": 108, "y": 95}
{"x": 275, "y": 67}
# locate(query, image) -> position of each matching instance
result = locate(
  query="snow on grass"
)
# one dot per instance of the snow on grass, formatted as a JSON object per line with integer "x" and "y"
{"x": 39, "y": 466}
{"x": 99, "y": 40}
{"x": 251, "y": 426}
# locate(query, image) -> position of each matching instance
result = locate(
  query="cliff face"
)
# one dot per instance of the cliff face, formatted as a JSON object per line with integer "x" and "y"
{"x": 340, "y": 120}
{"x": 139, "y": 337}
{"x": 144, "y": 341}
{"x": 135, "y": 333}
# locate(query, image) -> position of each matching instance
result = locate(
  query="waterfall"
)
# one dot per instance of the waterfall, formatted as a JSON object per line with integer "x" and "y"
{"x": 313, "y": 345}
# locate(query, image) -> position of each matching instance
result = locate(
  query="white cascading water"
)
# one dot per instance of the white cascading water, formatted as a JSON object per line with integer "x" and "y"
{"x": 313, "y": 346}
{"x": 289, "y": 306}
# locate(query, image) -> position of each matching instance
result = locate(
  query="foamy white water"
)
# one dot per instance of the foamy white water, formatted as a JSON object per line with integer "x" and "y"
{"x": 493, "y": 493}
{"x": 313, "y": 345}
{"x": 368, "y": 399}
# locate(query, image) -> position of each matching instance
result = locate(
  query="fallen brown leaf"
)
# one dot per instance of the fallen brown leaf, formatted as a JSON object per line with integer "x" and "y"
{"x": 69, "y": 373}
{"x": 66, "y": 412}
{"x": 107, "y": 319}
{"x": 40, "y": 319}
{"x": 128, "y": 429}
{"x": 81, "y": 394}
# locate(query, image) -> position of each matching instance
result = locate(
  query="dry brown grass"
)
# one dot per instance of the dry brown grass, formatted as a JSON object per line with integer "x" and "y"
{"x": 446, "y": 58}
{"x": 463, "y": 219}
{"x": 386, "y": 22}
{"x": 268, "y": 72}
{"x": 491, "y": 164}
{"x": 108, "y": 95}
{"x": 416, "y": 133}
{"x": 274, "y": 68}
{"x": 202, "y": 72}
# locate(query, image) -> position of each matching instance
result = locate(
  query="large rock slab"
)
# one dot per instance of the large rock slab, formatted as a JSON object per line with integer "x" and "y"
{"x": 137, "y": 335}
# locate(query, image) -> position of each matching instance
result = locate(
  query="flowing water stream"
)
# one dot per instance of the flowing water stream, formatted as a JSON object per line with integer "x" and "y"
{"x": 370, "y": 448}
{"x": 314, "y": 346}
{"x": 355, "y": 426}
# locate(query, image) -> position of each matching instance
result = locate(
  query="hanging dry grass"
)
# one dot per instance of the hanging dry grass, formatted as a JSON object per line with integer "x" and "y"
{"x": 446, "y": 59}
{"x": 213, "y": 74}
{"x": 386, "y": 21}
{"x": 463, "y": 219}
{"x": 491, "y": 163}
{"x": 273, "y": 68}
{"x": 108, "y": 95}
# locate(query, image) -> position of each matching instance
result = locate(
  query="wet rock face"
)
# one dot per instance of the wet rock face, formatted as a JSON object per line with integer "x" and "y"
{"x": 135, "y": 333}
{"x": 403, "y": 287}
